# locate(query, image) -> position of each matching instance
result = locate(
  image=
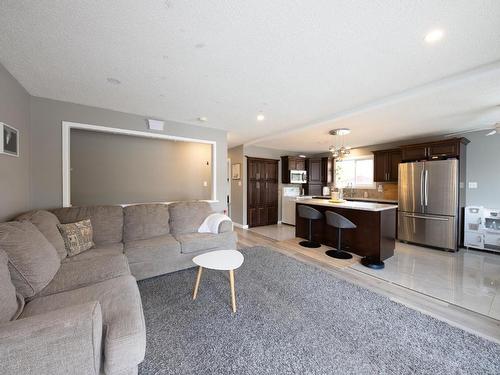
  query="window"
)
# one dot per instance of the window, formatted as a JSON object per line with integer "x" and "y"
{"x": 354, "y": 172}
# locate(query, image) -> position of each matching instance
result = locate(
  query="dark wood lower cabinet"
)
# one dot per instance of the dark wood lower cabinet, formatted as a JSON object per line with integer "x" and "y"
{"x": 373, "y": 237}
{"x": 262, "y": 194}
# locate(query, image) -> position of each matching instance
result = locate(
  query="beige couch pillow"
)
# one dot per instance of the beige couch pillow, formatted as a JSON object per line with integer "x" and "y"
{"x": 77, "y": 236}
{"x": 33, "y": 261}
{"x": 46, "y": 222}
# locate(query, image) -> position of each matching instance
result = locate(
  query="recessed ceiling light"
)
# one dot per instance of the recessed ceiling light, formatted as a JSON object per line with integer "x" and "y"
{"x": 203, "y": 119}
{"x": 260, "y": 117}
{"x": 302, "y": 156}
{"x": 113, "y": 81}
{"x": 434, "y": 36}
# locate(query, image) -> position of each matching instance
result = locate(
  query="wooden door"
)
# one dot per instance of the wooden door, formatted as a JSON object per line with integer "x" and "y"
{"x": 262, "y": 194}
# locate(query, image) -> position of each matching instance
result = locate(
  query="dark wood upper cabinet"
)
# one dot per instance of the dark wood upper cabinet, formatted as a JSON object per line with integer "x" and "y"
{"x": 444, "y": 150}
{"x": 448, "y": 148}
{"x": 313, "y": 168}
{"x": 394, "y": 160}
{"x": 300, "y": 164}
{"x": 326, "y": 170}
{"x": 386, "y": 165}
{"x": 414, "y": 153}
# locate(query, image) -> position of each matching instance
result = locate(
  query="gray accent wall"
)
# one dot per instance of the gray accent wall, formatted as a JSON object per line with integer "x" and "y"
{"x": 119, "y": 169}
{"x": 46, "y": 119}
{"x": 483, "y": 167}
{"x": 14, "y": 171}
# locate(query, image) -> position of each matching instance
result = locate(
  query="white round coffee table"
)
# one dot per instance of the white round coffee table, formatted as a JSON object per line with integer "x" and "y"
{"x": 222, "y": 260}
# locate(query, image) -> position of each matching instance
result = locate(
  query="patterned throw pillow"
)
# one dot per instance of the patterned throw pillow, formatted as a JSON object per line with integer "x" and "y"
{"x": 77, "y": 236}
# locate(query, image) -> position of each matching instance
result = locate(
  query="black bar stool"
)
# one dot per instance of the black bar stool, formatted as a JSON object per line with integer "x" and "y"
{"x": 310, "y": 214}
{"x": 340, "y": 222}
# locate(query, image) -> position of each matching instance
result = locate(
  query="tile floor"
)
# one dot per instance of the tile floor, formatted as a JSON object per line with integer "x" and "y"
{"x": 468, "y": 278}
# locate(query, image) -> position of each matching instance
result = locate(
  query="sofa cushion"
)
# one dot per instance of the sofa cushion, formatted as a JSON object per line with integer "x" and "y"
{"x": 151, "y": 257}
{"x": 33, "y": 261}
{"x": 107, "y": 221}
{"x": 77, "y": 236}
{"x": 46, "y": 222}
{"x": 192, "y": 242}
{"x": 124, "y": 337}
{"x": 97, "y": 251}
{"x": 144, "y": 221}
{"x": 136, "y": 251}
{"x": 186, "y": 217}
{"x": 11, "y": 303}
{"x": 73, "y": 275}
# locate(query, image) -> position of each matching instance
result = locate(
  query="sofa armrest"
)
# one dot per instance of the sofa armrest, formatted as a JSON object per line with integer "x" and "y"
{"x": 225, "y": 226}
{"x": 64, "y": 341}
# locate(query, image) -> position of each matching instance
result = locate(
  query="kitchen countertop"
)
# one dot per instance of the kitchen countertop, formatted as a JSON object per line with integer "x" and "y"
{"x": 354, "y": 205}
{"x": 391, "y": 201}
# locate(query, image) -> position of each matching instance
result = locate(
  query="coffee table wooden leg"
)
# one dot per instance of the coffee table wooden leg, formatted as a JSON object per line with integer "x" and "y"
{"x": 198, "y": 278}
{"x": 233, "y": 294}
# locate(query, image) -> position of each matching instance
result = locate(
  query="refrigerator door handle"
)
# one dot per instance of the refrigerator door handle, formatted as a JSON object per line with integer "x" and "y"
{"x": 426, "y": 217}
{"x": 422, "y": 188}
{"x": 426, "y": 184}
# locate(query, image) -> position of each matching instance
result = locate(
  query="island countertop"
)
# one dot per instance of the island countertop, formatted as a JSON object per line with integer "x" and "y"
{"x": 354, "y": 205}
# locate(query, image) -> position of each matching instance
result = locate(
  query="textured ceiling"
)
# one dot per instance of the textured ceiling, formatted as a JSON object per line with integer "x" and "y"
{"x": 299, "y": 62}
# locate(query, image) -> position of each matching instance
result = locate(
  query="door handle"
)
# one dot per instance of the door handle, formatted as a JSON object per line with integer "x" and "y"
{"x": 426, "y": 190}
{"x": 427, "y": 217}
{"x": 422, "y": 188}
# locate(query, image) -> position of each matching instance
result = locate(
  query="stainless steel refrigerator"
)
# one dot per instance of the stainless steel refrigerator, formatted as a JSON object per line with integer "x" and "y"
{"x": 428, "y": 203}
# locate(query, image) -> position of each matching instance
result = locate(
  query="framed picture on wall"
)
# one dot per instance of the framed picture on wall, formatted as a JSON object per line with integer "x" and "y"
{"x": 236, "y": 171}
{"x": 9, "y": 140}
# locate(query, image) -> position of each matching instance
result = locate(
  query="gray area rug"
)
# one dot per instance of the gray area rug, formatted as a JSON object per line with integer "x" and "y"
{"x": 294, "y": 318}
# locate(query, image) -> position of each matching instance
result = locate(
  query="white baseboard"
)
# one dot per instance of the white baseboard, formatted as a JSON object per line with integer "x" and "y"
{"x": 238, "y": 225}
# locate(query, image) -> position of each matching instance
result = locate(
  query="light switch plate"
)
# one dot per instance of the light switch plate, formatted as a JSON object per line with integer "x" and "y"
{"x": 472, "y": 185}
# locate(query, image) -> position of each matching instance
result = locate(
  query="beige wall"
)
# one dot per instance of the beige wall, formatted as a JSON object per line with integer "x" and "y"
{"x": 14, "y": 171}
{"x": 47, "y": 116}
{"x": 118, "y": 169}
{"x": 238, "y": 187}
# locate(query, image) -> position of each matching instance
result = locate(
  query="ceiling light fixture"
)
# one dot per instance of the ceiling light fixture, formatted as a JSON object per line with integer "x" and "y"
{"x": 113, "y": 81}
{"x": 302, "y": 156}
{"x": 434, "y": 36}
{"x": 260, "y": 117}
{"x": 203, "y": 119}
{"x": 338, "y": 149}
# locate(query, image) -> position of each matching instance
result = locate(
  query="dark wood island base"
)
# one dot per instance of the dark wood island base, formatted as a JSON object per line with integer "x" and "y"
{"x": 375, "y": 235}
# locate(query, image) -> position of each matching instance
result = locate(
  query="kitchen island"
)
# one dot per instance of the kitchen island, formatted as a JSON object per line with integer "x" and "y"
{"x": 374, "y": 237}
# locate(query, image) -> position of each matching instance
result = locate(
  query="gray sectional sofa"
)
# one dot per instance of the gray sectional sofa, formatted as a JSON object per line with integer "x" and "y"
{"x": 83, "y": 314}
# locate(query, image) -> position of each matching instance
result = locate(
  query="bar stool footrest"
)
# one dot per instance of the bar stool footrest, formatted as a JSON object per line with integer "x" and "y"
{"x": 310, "y": 244}
{"x": 338, "y": 254}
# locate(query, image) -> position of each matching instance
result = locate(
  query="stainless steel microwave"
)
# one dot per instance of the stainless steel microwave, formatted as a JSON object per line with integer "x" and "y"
{"x": 298, "y": 177}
